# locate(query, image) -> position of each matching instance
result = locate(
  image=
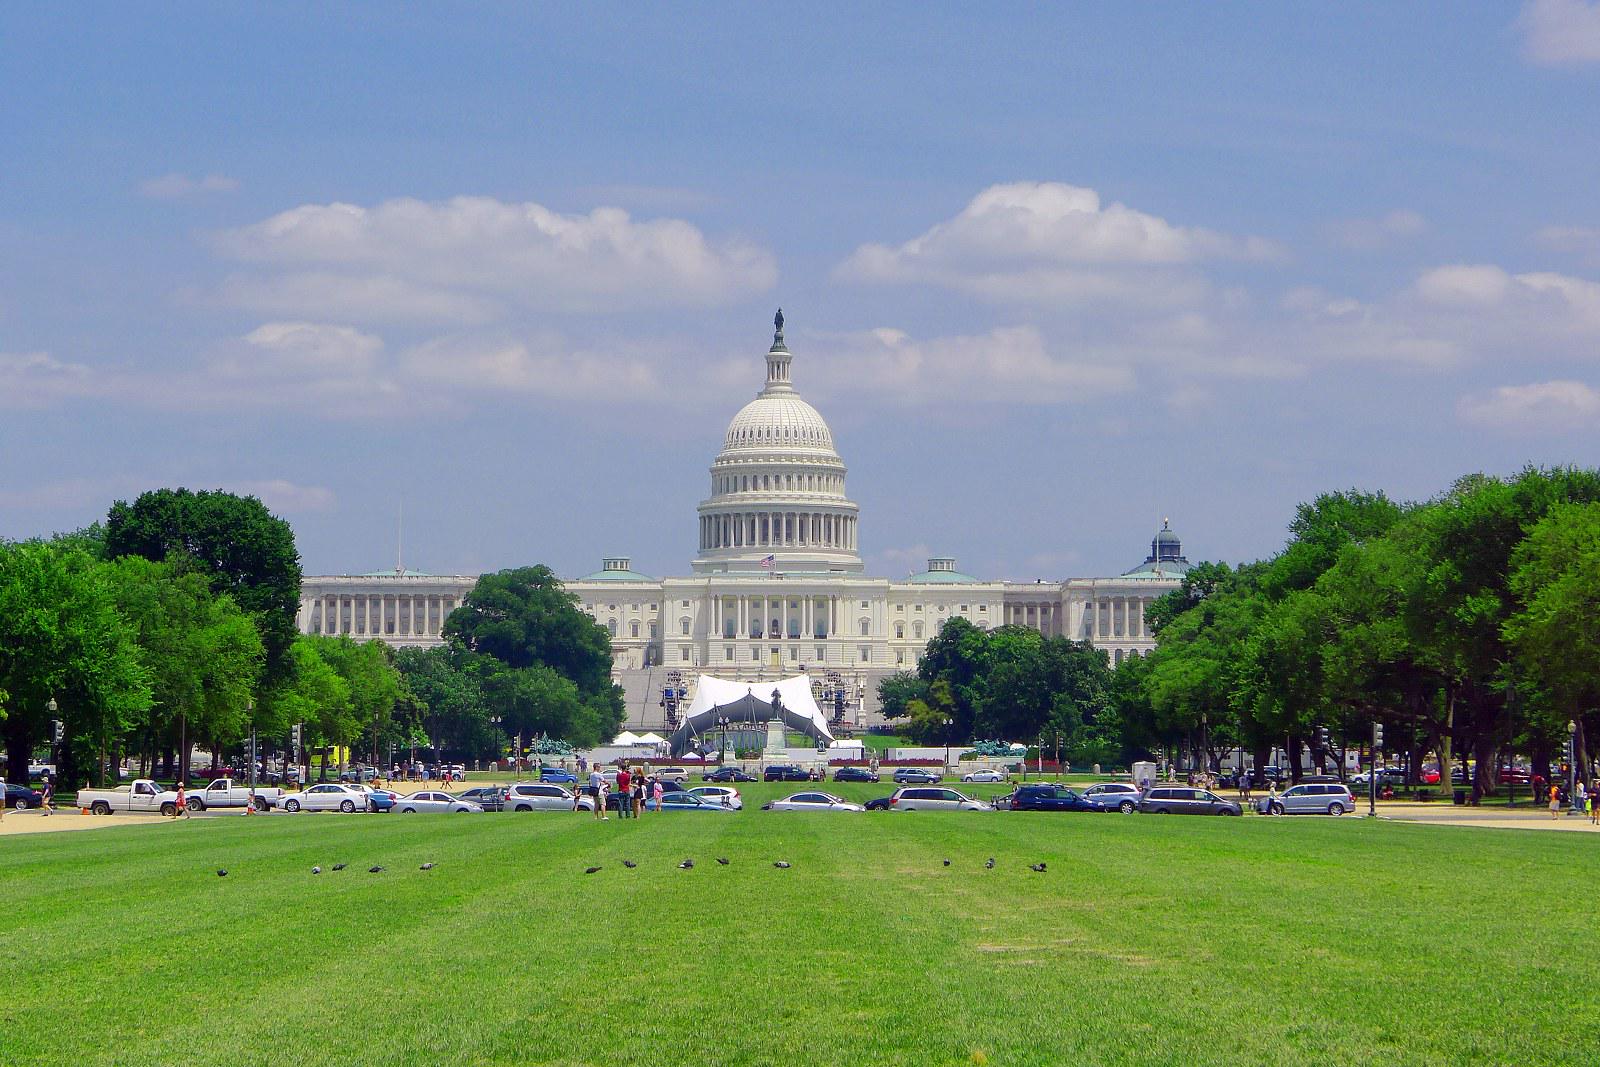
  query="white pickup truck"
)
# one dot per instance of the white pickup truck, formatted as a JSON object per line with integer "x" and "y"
{"x": 229, "y": 793}
{"x": 141, "y": 795}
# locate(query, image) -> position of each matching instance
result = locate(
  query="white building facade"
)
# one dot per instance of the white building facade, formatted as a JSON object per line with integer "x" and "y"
{"x": 777, "y": 586}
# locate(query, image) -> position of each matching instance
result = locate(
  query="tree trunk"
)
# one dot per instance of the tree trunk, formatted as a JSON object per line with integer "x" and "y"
{"x": 18, "y": 749}
{"x": 1293, "y": 755}
{"x": 1484, "y": 779}
{"x": 1445, "y": 736}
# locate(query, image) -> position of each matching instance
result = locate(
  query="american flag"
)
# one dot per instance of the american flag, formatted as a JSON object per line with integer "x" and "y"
{"x": 770, "y": 563}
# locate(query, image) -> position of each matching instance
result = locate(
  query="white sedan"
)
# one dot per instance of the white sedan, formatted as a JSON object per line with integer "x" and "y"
{"x": 983, "y": 776}
{"x": 435, "y": 801}
{"x": 725, "y": 795}
{"x": 326, "y": 797}
{"x": 812, "y": 802}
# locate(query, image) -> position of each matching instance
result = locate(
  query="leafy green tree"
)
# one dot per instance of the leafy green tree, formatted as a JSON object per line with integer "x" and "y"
{"x": 375, "y": 684}
{"x": 897, "y": 691}
{"x": 317, "y": 697}
{"x": 243, "y": 549}
{"x": 525, "y": 618}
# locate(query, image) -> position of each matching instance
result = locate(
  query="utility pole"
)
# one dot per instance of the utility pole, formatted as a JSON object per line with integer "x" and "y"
{"x": 1372, "y": 778}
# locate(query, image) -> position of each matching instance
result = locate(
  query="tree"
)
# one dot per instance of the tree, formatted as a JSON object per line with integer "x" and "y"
{"x": 524, "y": 618}
{"x": 897, "y": 691}
{"x": 315, "y": 695}
{"x": 242, "y": 548}
{"x": 375, "y": 684}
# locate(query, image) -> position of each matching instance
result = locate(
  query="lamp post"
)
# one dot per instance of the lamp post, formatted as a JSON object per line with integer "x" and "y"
{"x": 55, "y": 741}
{"x": 250, "y": 709}
{"x": 495, "y": 721}
{"x": 948, "y": 723}
{"x": 1572, "y": 764}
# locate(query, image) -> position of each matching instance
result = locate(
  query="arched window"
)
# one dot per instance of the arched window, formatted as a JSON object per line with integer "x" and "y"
{"x": 1116, "y": 656}
{"x": 652, "y": 631}
{"x": 611, "y": 627}
{"x": 683, "y": 624}
{"x": 633, "y": 628}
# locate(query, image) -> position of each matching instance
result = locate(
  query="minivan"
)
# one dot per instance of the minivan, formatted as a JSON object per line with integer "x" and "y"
{"x": 1182, "y": 800}
{"x": 1312, "y": 799}
{"x": 934, "y": 798}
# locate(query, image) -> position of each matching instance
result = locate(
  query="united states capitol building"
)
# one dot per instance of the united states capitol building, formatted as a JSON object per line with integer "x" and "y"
{"x": 777, "y": 587}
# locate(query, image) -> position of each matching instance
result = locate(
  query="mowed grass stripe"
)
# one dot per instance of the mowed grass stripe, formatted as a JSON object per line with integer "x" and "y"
{"x": 1149, "y": 940}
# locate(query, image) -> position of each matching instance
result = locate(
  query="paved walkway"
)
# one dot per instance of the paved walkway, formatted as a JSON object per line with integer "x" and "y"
{"x": 36, "y": 822}
{"x": 1521, "y": 817}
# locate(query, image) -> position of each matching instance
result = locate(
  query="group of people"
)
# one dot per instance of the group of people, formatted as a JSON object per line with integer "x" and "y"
{"x": 1583, "y": 800}
{"x": 635, "y": 791}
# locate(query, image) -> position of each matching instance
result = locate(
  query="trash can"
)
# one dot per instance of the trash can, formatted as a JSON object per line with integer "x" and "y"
{"x": 1461, "y": 796}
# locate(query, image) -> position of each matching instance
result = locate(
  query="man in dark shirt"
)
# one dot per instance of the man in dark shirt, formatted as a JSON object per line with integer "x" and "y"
{"x": 624, "y": 794}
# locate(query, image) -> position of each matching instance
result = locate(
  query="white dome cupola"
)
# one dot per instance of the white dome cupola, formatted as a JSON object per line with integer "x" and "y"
{"x": 777, "y": 486}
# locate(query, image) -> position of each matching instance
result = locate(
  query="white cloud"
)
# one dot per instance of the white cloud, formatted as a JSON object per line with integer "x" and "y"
{"x": 1005, "y": 365}
{"x": 1536, "y": 303}
{"x": 285, "y": 497}
{"x": 1553, "y": 405}
{"x": 541, "y": 366}
{"x": 176, "y": 186}
{"x": 1046, "y": 241}
{"x": 36, "y": 379}
{"x": 1561, "y": 32}
{"x": 476, "y": 258}
{"x": 1367, "y": 235}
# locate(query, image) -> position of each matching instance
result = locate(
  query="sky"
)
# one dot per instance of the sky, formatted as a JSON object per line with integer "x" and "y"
{"x": 1051, "y": 273}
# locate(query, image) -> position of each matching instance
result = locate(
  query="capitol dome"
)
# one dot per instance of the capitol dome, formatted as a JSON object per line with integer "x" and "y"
{"x": 777, "y": 498}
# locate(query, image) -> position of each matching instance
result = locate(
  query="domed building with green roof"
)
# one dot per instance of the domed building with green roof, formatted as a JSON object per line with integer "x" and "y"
{"x": 777, "y": 587}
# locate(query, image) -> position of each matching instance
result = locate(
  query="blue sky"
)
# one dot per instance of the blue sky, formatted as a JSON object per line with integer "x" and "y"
{"x": 1050, "y": 274}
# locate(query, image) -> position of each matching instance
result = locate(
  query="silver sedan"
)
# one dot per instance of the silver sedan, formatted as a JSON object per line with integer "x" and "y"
{"x": 435, "y": 801}
{"x": 812, "y": 802}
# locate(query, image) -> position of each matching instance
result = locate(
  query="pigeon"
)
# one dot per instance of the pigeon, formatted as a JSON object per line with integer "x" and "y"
{"x": 316, "y": 870}
{"x": 374, "y": 870}
{"x": 782, "y": 865}
{"x": 989, "y": 866}
{"x": 590, "y": 870}
{"x": 629, "y": 864}
{"x": 947, "y": 863}
{"x": 686, "y": 865}
{"x": 1036, "y": 867}
{"x": 222, "y": 872}
{"x": 338, "y": 866}
{"x": 722, "y": 861}
{"x": 426, "y": 867}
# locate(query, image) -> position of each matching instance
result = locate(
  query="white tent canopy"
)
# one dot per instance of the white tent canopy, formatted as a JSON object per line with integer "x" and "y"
{"x": 742, "y": 702}
{"x": 625, "y": 738}
{"x": 651, "y": 738}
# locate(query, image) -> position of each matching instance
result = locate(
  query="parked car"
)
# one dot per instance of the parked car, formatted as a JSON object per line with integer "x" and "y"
{"x": 674, "y": 774}
{"x": 681, "y": 801}
{"x": 781, "y": 772}
{"x": 1182, "y": 800}
{"x": 854, "y": 774}
{"x": 489, "y": 797}
{"x": 916, "y": 776}
{"x": 812, "y": 802}
{"x": 379, "y": 799}
{"x": 557, "y": 775}
{"x": 21, "y": 797}
{"x": 228, "y": 793}
{"x": 1048, "y": 797}
{"x": 1113, "y": 796}
{"x": 727, "y": 774}
{"x": 925, "y": 798}
{"x": 541, "y": 796}
{"x": 358, "y": 775}
{"x": 1309, "y": 799}
{"x": 326, "y": 796}
{"x": 432, "y": 800}
{"x": 726, "y": 795}
{"x": 1391, "y": 776}
{"x": 983, "y": 776}
{"x": 1321, "y": 779}
{"x": 878, "y": 803}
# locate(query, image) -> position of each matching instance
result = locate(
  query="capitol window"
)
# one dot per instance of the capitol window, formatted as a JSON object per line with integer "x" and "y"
{"x": 683, "y": 655}
{"x": 900, "y": 630}
{"x": 683, "y": 624}
{"x": 866, "y": 627}
{"x": 727, "y": 654}
{"x": 633, "y": 627}
{"x": 866, "y": 653}
{"x": 899, "y": 657}
{"x": 611, "y": 627}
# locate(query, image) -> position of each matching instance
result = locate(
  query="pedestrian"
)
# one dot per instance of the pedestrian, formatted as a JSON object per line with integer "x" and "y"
{"x": 1244, "y": 784}
{"x": 624, "y": 794}
{"x": 182, "y": 810}
{"x": 638, "y": 795}
{"x": 657, "y": 793}
{"x": 1555, "y": 801}
{"x": 1272, "y": 798}
{"x": 3, "y": 795}
{"x": 597, "y": 787}
{"x": 49, "y": 794}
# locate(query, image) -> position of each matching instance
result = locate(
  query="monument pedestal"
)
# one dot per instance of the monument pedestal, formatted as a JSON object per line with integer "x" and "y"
{"x": 777, "y": 746}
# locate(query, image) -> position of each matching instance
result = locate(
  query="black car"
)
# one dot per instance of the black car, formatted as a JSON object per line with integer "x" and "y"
{"x": 1048, "y": 798}
{"x": 916, "y": 776}
{"x": 879, "y": 804}
{"x": 21, "y": 797}
{"x": 854, "y": 774}
{"x": 785, "y": 773}
{"x": 727, "y": 774}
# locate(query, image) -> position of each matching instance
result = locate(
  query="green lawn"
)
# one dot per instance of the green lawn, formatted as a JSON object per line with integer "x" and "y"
{"x": 1149, "y": 940}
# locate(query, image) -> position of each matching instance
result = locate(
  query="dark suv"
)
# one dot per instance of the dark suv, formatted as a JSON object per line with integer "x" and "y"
{"x": 1048, "y": 798}
{"x": 854, "y": 774}
{"x": 785, "y": 773}
{"x": 916, "y": 776}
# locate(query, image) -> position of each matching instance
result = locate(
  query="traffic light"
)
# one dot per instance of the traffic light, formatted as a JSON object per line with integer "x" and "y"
{"x": 296, "y": 736}
{"x": 1322, "y": 737}
{"x": 56, "y": 731}
{"x": 1377, "y": 736}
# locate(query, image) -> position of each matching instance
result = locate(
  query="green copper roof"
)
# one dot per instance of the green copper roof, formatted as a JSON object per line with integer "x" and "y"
{"x": 615, "y": 576}
{"x": 942, "y": 578}
{"x": 1170, "y": 568}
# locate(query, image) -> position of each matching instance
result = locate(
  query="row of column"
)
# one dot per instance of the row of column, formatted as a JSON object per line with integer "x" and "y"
{"x": 1041, "y": 615}
{"x": 816, "y": 617}
{"x": 1120, "y": 616}
{"x": 373, "y": 616}
{"x": 778, "y": 529}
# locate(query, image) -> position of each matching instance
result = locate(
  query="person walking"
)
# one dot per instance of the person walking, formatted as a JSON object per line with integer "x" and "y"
{"x": 624, "y": 794}
{"x": 49, "y": 794}
{"x": 657, "y": 792}
{"x": 1555, "y": 801}
{"x": 2, "y": 798}
{"x": 182, "y": 811}
{"x": 597, "y": 786}
{"x": 638, "y": 795}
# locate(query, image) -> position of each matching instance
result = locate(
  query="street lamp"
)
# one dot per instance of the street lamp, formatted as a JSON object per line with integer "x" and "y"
{"x": 55, "y": 741}
{"x": 948, "y": 723}
{"x": 1572, "y": 764}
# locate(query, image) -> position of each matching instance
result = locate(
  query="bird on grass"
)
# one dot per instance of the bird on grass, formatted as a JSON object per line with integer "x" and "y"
{"x": 590, "y": 870}
{"x": 338, "y": 866}
{"x": 989, "y": 866}
{"x": 316, "y": 870}
{"x": 782, "y": 865}
{"x": 721, "y": 861}
{"x": 629, "y": 864}
{"x": 686, "y": 865}
{"x": 426, "y": 867}
{"x": 222, "y": 872}
{"x": 374, "y": 870}
{"x": 947, "y": 863}
{"x": 1036, "y": 867}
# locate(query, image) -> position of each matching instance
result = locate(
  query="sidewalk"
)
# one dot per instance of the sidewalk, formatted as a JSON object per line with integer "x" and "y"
{"x": 36, "y": 822}
{"x": 1522, "y": 817}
